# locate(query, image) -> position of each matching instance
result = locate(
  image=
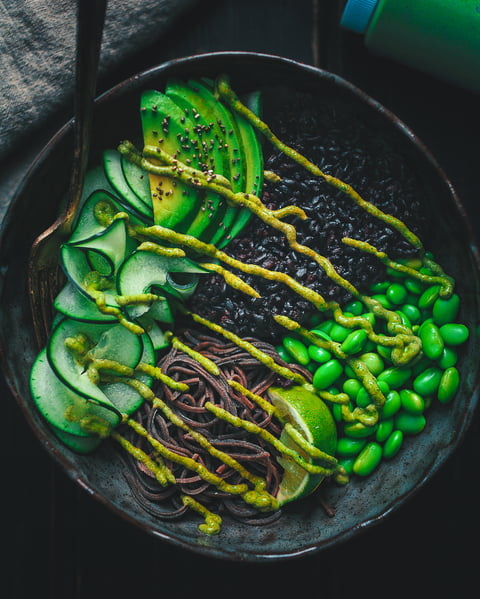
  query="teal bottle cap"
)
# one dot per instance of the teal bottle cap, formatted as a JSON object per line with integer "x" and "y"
{"x": 357, "y": 14}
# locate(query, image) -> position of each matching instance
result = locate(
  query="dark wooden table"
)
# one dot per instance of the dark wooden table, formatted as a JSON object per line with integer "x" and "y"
{"x": 61, "y": 544}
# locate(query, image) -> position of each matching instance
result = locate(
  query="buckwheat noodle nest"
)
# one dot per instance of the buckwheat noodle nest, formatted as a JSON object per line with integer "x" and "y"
{"x": 251, "y": 451}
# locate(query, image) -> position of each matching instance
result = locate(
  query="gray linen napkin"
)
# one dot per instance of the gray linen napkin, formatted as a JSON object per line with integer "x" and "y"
{"x": 37, "y": 47}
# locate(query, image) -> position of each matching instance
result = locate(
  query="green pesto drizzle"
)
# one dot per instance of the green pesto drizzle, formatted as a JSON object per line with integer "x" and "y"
{"x": 258, "y": 399}
{"x": 212, "y": 523}
{"x": 169, "y": 252}
{"x": 231, "y": 279}
{"x": 307, "y": 447}
{"x": 156, "y": 372}
{"x": 206, "y": 363}
{"x": 101, "y": 302}
{"x": 136, "y": 299}
{"x": 163, "y": 474}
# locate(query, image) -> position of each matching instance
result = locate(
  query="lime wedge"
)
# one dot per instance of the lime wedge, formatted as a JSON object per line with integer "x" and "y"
{"x": 309, "y": 415}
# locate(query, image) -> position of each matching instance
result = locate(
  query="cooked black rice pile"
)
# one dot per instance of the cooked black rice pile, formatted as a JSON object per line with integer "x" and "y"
{"x": 334, "y": 138}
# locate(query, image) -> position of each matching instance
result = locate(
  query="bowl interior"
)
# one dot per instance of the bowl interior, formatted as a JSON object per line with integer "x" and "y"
{"x": 304, "y": 527}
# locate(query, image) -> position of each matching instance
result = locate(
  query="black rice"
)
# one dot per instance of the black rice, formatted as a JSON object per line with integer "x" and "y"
{"x": 334, "y": 138}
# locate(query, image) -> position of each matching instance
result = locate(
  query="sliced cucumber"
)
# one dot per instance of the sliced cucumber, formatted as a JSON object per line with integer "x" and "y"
{"x": 89, "y": 224}
{"x": 103, "y": 254}
{"x": 73, "y": 303}
{"x": 83, "y": 445}
{"x": 154, "y": 331}
{"x": 124, "y": 397}
{"x": 112, "y": 163}
{"x": 62, "y": 408}
{"x": 143, "y": 270}
{"x": 95, "y": 180}
{"x": 105, "y": 251}
{"x": 77, "y": 268}
{"x": 111, "y": 342}
{"x": 138, "y": 181}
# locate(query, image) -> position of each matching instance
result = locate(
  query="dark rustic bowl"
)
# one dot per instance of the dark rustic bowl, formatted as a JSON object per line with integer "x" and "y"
{"x": 304, "y": 528}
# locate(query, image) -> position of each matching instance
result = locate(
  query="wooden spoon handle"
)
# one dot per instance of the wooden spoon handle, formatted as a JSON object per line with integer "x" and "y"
{"x": 90, "y": 21}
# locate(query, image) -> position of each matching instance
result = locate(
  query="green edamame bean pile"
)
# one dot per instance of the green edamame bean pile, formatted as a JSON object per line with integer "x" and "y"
{"x": 409, "y": 390}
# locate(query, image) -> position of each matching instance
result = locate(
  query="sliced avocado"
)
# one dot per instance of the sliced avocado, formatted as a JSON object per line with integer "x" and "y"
{"x": 253, "y": 163}
{"x": 164, "y": 124}
{"x": 208, "y": 140}
{"x": 223, "y": 121}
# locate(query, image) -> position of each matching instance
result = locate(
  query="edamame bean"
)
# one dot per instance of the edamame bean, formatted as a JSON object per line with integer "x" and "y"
{"x": 420, "y": 365}
{"x": 357, "y": 430}
{"x": 449, "y": 384}
{"x": 379, "y": 287}
{"x": 432, "y": 341}
{"x": 392, "y": 404}
{"x": 404, "y": 319}
{"x": 392, "y": 445}
{"x": 355, "y": 307}
{"x": 454, "y": 333}
{"x": 282, "y": 352}
{"x": 351, "y": 387}
{"x": 396, "y": 293}
{"x": 412, "y": 313}
{"x": 348, "y": 447}
{"x": 448, "y": 358}
{"x": 370, "y": 316}
{"x": 427, "y": 382}
{"x": 428, "y": 297}
{"x": 326, "y": 374}
{"x": 382, "y": 350}
{"x": 373, "y": 362}
{"x": 384, "y": 430}
{"x": 337, "y": 412}
{"x": 368, "y": 459}
{"x": 338, "y": 332}
{"x": 414, "y": 286}
{"x": 354, "y": 342}
{"x": 319, "y": 354}
{"x": 412, "y": 402}
{"x": 297, "y": 350}
{"x": 410, "y": 424}
{"x": 446, "y": 310}
{"x": 395, "y": 376}
{"x": 347, "y": 463}
{"x": 383, "y": 300}
{"x": 323, "y": 329}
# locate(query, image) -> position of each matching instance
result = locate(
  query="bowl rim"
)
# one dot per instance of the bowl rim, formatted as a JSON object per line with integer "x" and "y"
{"x": 257, "y": 554}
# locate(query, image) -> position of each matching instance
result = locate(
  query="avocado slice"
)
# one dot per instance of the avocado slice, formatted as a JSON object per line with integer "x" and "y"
{"x": 208, "y": 139}
{"x": 253, "y": 157}
{"x": 164, "y": 124}
{"x": 233, "y": 150}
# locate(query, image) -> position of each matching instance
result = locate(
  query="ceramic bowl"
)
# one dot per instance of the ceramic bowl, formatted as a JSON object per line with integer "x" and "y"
{"x": 304, "y": 527}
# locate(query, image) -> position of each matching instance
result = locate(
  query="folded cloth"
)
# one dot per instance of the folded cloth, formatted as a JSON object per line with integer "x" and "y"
{"x": 37, "y": 51}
